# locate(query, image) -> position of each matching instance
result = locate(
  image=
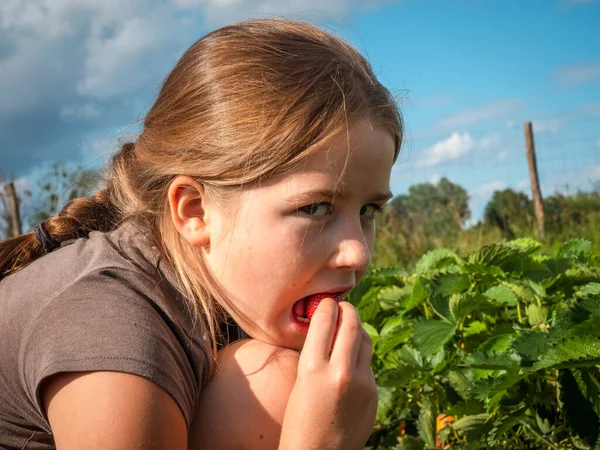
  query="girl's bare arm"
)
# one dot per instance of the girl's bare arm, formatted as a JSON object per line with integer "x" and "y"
{"x": 244, "y": 404}
{"x": 112, "y": 410}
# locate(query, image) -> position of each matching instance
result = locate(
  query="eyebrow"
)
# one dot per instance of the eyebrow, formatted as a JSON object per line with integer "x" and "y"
{"x": 322, "y": 194}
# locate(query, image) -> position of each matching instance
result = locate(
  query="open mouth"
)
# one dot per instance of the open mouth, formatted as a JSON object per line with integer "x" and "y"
{"x": 305, "y": 307}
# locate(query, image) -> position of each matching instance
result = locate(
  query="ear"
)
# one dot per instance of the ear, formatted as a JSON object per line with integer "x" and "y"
{"x": 188, "y": 207}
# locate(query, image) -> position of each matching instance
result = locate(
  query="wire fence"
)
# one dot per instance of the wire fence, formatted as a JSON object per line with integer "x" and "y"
{"x": 567, "y": 153}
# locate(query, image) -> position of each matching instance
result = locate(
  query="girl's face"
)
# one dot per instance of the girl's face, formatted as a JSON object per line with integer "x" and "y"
{"x": 306, "y": 232}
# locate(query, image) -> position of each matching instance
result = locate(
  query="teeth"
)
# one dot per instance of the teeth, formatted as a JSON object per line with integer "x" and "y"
{"x": 302, "y": 319}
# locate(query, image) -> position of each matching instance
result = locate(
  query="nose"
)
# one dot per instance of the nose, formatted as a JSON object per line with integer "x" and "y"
{"x": 353, "y": 249}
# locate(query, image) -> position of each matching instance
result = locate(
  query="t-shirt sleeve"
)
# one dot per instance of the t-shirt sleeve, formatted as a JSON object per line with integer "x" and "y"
{"x": 109, "y": 320}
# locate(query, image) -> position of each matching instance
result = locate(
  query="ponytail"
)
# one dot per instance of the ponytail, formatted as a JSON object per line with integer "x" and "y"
{"x": 77, "y": 219}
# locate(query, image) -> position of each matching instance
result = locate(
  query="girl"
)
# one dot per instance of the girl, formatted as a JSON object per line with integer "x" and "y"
{"x": 251, "y": 188}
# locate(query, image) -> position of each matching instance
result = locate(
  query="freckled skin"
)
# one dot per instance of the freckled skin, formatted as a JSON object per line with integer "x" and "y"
{"x": 267, "y": 252}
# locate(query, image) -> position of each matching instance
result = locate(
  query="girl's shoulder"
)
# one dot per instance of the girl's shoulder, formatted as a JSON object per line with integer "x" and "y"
{"x": 105, "y": 303}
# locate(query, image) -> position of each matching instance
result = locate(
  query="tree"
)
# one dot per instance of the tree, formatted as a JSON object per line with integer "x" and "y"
{"x": 511, "y": 212}
{"x": 429, "y": 216}
{"x": 438, "y": 209}
{"x": 59, "y": 185}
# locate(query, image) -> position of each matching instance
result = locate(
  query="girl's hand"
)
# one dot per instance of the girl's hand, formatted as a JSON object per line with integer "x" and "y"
{"x": 333, "y": 403}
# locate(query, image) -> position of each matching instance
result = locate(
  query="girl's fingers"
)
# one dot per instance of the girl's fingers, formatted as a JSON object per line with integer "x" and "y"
{"x": 320, "y": 333}
{"x": 348, "y": 340}
{"x": 366, "y": 351}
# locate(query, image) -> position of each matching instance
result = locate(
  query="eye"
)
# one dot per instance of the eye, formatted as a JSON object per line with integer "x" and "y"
{"x": 370, "y": 210}
{"x": 317, "y": 209}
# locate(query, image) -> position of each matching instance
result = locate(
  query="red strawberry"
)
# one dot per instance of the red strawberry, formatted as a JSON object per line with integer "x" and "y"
{"x": 313, "y": 301}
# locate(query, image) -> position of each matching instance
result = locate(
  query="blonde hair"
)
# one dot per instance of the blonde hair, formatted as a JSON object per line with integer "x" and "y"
{"x": 246, "y": 101}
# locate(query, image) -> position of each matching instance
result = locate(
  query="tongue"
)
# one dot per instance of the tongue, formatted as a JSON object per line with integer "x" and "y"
{"x": 300, "y": 307}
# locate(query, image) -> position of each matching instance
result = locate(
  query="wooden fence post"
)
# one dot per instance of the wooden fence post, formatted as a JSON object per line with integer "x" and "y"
{"x": 538, "y": 204}
{"x": 13, "y": 202}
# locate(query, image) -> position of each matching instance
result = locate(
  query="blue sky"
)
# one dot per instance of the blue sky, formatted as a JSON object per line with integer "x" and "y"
{"x": 77, "y": 74}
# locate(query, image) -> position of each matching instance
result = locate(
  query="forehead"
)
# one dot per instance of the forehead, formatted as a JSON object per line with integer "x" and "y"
{"x": 356, "y": 163}
{"x": 362, "y": 145}
{"x": 364, "y": 155}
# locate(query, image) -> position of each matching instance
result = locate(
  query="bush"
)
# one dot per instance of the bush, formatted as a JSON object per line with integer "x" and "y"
{"x": 496, "y": 350}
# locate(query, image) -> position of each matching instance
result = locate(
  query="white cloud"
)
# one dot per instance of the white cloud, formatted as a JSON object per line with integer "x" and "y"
{"x": 550, "y": 125}
{"x": 489, "y": 142}
{"x": 456, "y": 146}
{"x": 575, "y": 74}
{"x": 496, "y": 109}
{"x": 70, "y": 69}
{"x": 85, "y": 111}
{"x": 435, "y": 178}
{"x": 488, "y": 189}
{"x": 502, "y": 156}
{"x": 217, "y": 12}
{"x": 62, "y": 50}
{"x": 523, "y": 184}
{"x": 593, "y": 172}
{"x": 109, "y": 61}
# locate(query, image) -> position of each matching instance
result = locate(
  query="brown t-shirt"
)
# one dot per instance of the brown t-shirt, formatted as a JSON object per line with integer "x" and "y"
{"x": 107, "y": 302}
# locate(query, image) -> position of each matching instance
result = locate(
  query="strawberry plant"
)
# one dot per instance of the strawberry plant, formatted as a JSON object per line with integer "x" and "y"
{"x": 499, "y": 349}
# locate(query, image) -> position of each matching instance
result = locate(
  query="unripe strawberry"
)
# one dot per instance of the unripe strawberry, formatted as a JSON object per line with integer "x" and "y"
{"x": 313, "y": 301}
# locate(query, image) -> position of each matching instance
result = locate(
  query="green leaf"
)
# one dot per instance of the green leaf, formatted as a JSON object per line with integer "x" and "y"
{"x": 497, "y": 254}
{"x": 390, "y": 295}
{"x": 410, "y": 443}
{"x": 368, "y": 307}
{"x": 449, "y": 283}
{"x": 391, "y": 323}
{"x": 536, "y": 288}
{"x": 575, "y": 246}
{"x": 391, "y": 340}
{"x": 482, "y": 270}
{"x": 410, "y": 356}
{"x": 470, "y": 423}
{"x": 426, "y": 423}
{"x": 461, "y": 305}
{"x": 399, "y": 376}
{"x": 431, "y": 335}
{"x": 584, "y": 350}
{"x": 497, "y": 344}
{"x": 474, "y": 328}
{"x": 460, "y": 383}
{"x": 558, "y": 265}
{"x": 386, "y": 400}
{"x": 527, "y": 245}
{"x": 438, "y": 361}
{"x": 501, "y": 294}
{"x": 441, "y": 305}
{"x": 371, "y": 331}
{"x": 435, "y": 259}
{"x": 579, "y": 275}
{"x": 419, "y": 295}
{"x": 494, "y": 361}
{"x": 578, "y": 412}
{"x": 536, "y": 314}
{"x": 493, "y": 390}
{"x": 523, "y": 292}
{"x": 531, "y": 345}
{"x": 589, "y": 290}
{"x": 543, "y": 424}
{"x": 588, "y": 385}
